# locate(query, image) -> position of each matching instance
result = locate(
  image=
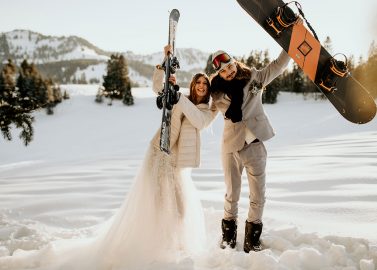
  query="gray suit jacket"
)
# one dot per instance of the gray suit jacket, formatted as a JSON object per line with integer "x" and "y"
{"x": 254, "y": 116}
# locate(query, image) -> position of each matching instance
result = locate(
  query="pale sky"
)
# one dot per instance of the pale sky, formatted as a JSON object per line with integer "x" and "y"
{"x": 141, "y": 25}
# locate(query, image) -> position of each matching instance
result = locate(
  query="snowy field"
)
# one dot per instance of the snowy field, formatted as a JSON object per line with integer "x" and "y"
{"x": 321, "y": 210}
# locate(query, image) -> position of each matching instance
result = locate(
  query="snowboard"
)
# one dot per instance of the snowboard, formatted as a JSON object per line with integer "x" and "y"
{"x": 329, "y": 73}
{"x": 166, "y": 99}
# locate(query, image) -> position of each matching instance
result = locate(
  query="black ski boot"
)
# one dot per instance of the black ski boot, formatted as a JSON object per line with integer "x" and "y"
{"x": 229, "y": 228}
{"x": 253, "y": 232}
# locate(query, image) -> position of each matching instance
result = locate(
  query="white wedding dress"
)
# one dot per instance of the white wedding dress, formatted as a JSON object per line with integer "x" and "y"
{"x": 161, "y": 219}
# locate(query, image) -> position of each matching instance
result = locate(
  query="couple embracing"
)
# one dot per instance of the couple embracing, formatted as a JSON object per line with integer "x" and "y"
{"x": 162, "y": 214}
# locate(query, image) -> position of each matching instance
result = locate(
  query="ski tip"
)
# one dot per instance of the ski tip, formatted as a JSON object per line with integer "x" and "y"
{"x": 174, "y": 14}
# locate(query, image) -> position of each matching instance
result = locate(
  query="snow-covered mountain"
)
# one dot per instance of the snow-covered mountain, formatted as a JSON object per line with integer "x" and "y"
{"x": 74, "y": 59}
{"x": 190, "y": 59}
{"x": 38, "y": 48}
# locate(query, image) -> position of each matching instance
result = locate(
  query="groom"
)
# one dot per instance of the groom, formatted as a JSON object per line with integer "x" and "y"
{"x": 236, "y": 92}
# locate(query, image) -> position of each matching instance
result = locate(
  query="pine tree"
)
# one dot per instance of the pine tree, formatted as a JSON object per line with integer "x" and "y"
{"x": 14, "y": 109}
{"x": 24, "y": 82}
{"x": 127, "y": 97}
{"x": 109, "y": 80}
{"x": 116, "y": 82}
{"x": 298, "y": 82}
{"x": 272, "y": 91}
{"x": 30, "y": 84}
{"x": 40, "y": 91}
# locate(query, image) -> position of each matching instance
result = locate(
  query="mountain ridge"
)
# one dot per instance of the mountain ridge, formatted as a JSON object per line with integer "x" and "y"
{"x": 74, "y": 59}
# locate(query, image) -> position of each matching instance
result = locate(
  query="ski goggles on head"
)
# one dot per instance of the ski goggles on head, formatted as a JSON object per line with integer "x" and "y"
{"x": 221, "y": 58}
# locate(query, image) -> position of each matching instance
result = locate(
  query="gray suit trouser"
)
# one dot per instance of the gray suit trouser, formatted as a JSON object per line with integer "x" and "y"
{"x": 252, "y": 157}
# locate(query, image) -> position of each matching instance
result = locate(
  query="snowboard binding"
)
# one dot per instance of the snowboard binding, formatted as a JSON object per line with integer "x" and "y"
{"x": 282, "y": 18}
{"x": 334, "y": 69}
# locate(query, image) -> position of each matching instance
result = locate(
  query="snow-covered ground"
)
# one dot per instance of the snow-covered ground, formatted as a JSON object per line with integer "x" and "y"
{"x": 321, "y": 183}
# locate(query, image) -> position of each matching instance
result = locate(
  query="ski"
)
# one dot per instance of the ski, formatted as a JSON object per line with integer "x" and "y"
{"x": 166, "y": 98}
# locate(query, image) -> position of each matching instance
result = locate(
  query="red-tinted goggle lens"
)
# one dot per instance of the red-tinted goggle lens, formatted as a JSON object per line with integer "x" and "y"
{"x": 221, "y": 58}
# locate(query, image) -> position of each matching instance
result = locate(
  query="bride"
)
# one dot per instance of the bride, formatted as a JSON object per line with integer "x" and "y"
{"x": 161, "y": 218}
